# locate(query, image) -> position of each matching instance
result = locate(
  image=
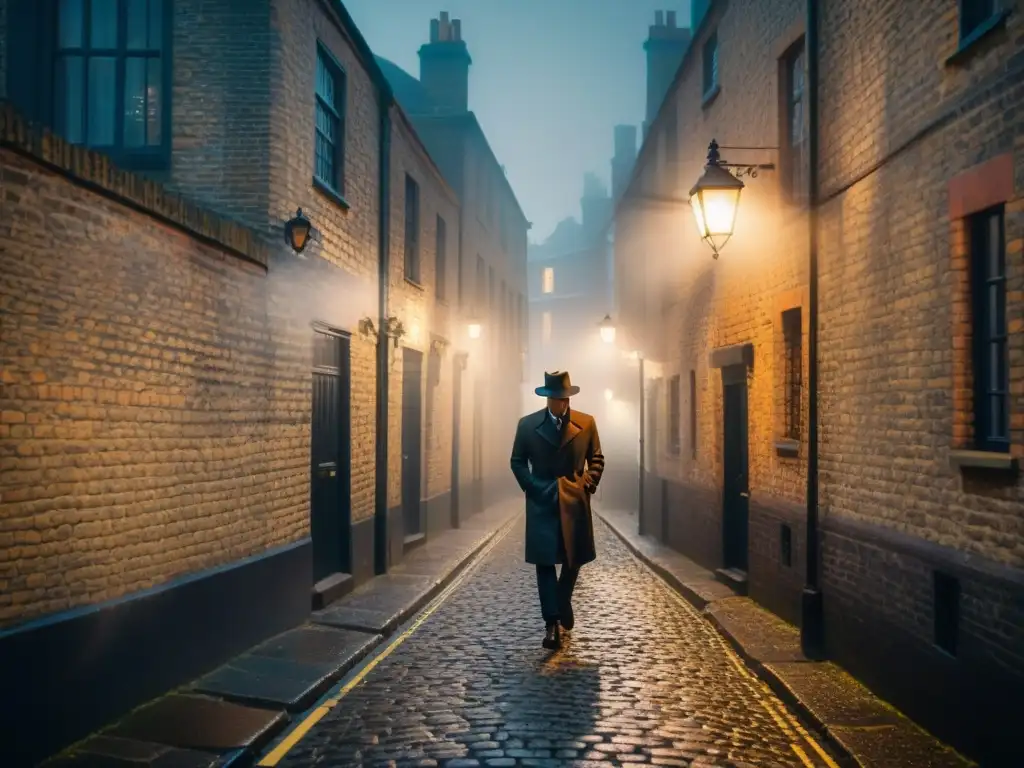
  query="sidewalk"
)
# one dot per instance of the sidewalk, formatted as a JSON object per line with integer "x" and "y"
{"x": 228, "y": 716}
{"x": 865, "y": 729}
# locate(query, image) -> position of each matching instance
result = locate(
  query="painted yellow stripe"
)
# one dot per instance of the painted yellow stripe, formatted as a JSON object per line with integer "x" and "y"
{"x": 296, "y": 735}
{"x": 802, "y": 755}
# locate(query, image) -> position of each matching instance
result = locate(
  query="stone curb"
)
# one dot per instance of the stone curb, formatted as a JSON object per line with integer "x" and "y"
{"x": 773, "y": 681}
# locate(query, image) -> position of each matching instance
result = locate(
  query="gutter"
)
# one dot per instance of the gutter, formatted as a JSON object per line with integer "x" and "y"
{"x": 812, "y": 624}
{"x": 380, "y": 505}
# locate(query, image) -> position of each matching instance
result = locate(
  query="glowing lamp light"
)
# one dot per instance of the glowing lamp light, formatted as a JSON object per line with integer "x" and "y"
{"x": 714, "y": 200}
{"x": 607, "y": 330}
{"x": 475, "y": 329}
{"x": 608, "y": 395}
{"x": 296, "y": 232}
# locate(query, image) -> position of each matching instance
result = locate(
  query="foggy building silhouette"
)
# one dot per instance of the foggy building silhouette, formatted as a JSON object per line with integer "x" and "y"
{"x": 492, "y": 238}
{"x": 665, "y": 46}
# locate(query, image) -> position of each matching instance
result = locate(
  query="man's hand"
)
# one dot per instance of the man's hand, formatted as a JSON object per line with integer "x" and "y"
{"x": 588, "y": 483}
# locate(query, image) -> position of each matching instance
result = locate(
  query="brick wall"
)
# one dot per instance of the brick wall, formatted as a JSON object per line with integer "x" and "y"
{"x": 684, "y": 303}
{"x": 424, "y": 318}
{"x": 891, "y": 273}
{"x": 140, "y": 435}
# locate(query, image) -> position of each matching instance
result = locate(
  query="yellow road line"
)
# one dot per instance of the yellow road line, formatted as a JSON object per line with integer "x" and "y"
{"x": 296, "y": 735}
{"x": 802, "y": 755}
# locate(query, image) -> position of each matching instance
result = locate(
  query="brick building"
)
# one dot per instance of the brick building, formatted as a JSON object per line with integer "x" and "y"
{"x": 918, "y": 204}
{"x": 490, "y": 288}
{"x": 190, "y": 408}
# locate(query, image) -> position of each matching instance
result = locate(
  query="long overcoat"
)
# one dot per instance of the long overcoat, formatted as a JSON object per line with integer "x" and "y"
{"x": 573, "y": 459}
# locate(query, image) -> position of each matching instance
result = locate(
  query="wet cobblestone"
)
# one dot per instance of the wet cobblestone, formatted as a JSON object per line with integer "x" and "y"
{"x": 640, "y": 681}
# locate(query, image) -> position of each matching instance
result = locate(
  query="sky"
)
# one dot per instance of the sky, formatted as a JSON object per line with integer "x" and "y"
{"x": 549, "y": 82}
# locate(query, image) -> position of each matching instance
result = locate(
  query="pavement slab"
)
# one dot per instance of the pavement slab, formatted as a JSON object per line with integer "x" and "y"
{"x": 113, "y": 752}
{"x": 641, "y": 679}
{"x": 199, "y": 723}
{"x": 864, "y": 730}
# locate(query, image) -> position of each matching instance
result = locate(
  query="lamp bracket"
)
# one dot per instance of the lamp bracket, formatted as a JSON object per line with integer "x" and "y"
{"x": 739, "y": 170}
{"x": 367, "y": 327}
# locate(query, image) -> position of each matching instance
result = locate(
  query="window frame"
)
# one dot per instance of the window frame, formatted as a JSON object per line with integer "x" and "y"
{"x": 980, "y": 239}
{"x": 338, "y": 111}
{"x": 794, "y": 154}
{"x": 412, "y": 263}
{"x": 440, "y": 259}
{"x": 693, "y": 412}
{"x": 147, "y": 157}
{"x": 980, "y": 24}
{"x": 709, "y": 69}
{"x": 674, "y": 407}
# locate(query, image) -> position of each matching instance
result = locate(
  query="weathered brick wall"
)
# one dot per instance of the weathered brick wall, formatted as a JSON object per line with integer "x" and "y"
{"x": 139, "y": 438}
{"x": 893, "y": 261}
{"x": 337, "y": 285}
{"x": 690, "y": 303}
{"x": 415, "y": 304}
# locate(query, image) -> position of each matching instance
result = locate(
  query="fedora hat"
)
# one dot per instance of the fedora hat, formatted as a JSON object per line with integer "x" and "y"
{"x": 557, "y": 385}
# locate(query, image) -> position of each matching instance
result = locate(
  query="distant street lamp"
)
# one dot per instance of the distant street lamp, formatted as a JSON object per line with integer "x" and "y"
{"x": 474, "y": 328}
{"x": 296, "y": 232}
{"x": 714, "y": 199}
{"x": 607, "y": 330}
{"x": 608, "y": 395}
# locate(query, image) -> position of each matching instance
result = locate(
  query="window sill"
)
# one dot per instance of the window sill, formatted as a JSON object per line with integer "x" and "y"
{"x": 787, "y": 448}
{"x": 327, "y": 191}
{"x": 710, "y": 96}
{"x": 991, "y": 460}
{"x": 968, "y": 44}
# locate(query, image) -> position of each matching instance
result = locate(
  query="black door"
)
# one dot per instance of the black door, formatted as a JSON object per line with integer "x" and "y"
{"x": 412, "y": 421}
{"x": 458, "y": 365}
{"x": 330, "y": 497}
{"x": 734, "y": 462}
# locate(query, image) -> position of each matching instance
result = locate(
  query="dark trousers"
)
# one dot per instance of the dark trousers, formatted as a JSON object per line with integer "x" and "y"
{"x": 555, "y": 590}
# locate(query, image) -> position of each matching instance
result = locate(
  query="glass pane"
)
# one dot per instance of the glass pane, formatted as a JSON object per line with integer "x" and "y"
{"x": 324, "y": 82}
{"x": 69, "y": 24}
{"x": 996, "y": 411}
{"x": 71, "y": 105}
{"x": 137, "y": 26}
{"x": 994, "y": 245}
{"x": 101, "y": 102}
{"x": 103, "y": 24}
{"x": 156, "y": 25}
{"x": 154, "y": 103}
{"x": 134, "y": 102}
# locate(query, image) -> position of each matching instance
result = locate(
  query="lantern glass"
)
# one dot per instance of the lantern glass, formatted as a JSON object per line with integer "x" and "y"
{"x": 608, "y": 395}
{"x": 608, "y": 334}
{"x": 299, "y": 234}
{"x": 474, "y": 330}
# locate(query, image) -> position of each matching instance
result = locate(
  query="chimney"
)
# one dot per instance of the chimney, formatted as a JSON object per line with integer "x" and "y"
{"x": 595, "y": 206}
{"x": 665, "y": 46}
{"x": 444, "y": 66}
{"x": 624, "y": 159}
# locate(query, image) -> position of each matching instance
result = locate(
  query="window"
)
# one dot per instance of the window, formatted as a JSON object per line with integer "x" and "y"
{"x": 795, "y": 131}
{"x": 673, "y": 415}
{"x": 990, "y": 331}
{"x": 330, "y": 121}
{"x": 974, "y": 14}
{"x": 441, "y": 260}
{"x": 693, "y": 413}
{"x": 110, "y": 86}
{"x": 792, "y": 335}
{"x": 412, "y": 229}
{"x": 545, "y": 329}
{"x": 710, "y": 63}
{"x": 548, "y": 285}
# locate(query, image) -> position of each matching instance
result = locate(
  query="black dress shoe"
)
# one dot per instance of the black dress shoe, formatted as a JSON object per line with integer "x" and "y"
{"x": 568, "y": 620}
{"x": 552, "y": 638}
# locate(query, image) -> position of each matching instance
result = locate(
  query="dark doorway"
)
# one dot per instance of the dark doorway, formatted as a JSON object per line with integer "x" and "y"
{"x": 734, "y": 462}
{"x": 654, "y": 520}
{"x": 412, "y": 445}
{"x": 478, "y": 448}
{"x": 458, "y": 366}
{"x": 330, "y": 494}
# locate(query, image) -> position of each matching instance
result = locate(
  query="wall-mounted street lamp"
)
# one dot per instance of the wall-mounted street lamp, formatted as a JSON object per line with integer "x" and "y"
{"x": 607, "y": 330}
{"x": 296, "y": 232}
{"x": 714, "y": 200}
{"x": 608, "y": 395}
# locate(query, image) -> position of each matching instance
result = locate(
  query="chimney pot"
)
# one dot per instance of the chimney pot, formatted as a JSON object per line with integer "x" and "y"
{"x": 659, "y": 18}
{"x": 457, "y": 29}
{"x": 670, "y": 19}
{"x": 435, "y": 30}
{"x": 444, "y": 16}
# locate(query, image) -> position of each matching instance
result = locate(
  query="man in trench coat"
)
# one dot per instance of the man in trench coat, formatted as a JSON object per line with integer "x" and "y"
{"x": 557, "y": 461}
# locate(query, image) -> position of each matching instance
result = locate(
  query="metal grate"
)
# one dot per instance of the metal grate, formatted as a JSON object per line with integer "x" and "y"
{"x": 792, "y": 332}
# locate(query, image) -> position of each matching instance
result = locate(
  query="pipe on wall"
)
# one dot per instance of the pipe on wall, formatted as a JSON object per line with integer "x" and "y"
{"x": 380, "y": 506}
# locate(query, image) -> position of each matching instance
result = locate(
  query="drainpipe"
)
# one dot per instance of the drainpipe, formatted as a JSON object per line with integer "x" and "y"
{"x": 380, "y": 506}
{"x": 812, "y": 625}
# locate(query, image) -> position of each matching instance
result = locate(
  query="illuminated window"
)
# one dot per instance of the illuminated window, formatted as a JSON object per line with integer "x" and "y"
{"x": 549, "y": 280}
{"x": 546, "y": 327}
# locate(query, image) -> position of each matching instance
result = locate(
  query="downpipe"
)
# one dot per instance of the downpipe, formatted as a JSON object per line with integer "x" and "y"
{"x": 812, "y": 624}
{"x": 380, "y": 497}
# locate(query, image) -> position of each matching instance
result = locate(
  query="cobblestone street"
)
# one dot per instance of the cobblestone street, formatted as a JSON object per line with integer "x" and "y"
{"x": 642, "y": 679}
